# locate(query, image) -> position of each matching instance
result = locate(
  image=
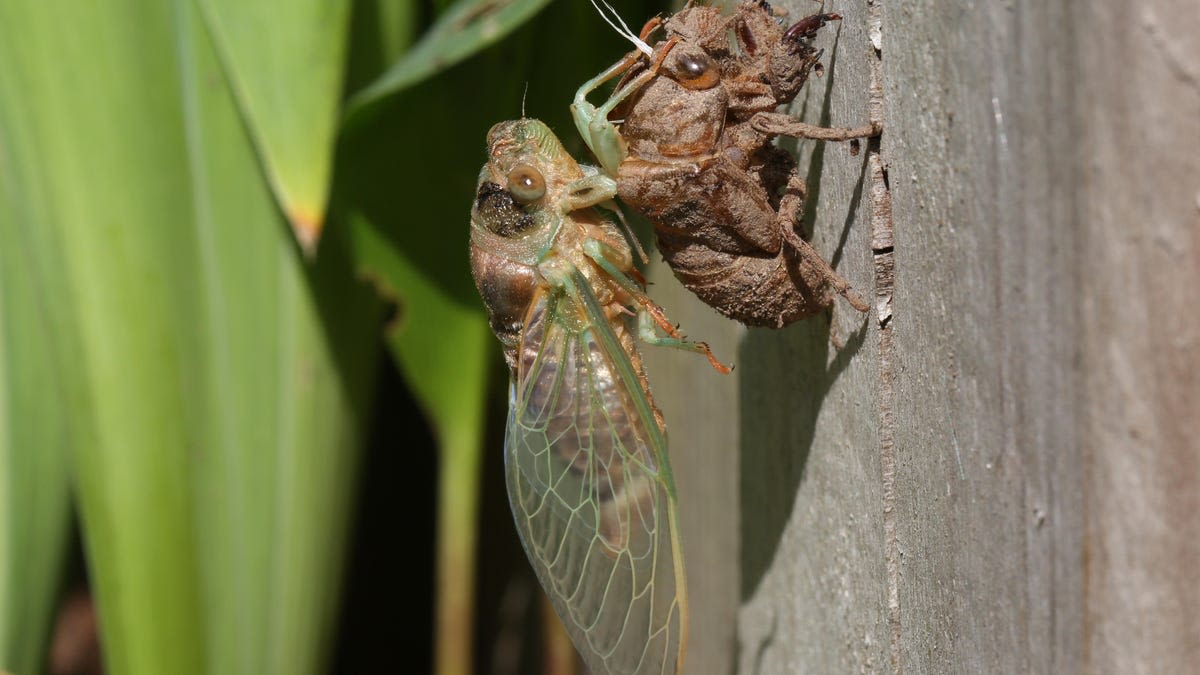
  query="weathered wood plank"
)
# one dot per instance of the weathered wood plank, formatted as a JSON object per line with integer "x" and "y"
{"x": 981, "y": 146}
{"x": 1001, "y": 475}
{"x": 813, "y": 576}
{"x": 1139, "y": 255}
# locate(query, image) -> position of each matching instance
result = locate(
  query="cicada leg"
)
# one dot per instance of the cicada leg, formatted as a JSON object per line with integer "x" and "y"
{"x": 602, "y": 136}
{"x": 594, "y": 190}
{"x": 789, "y": 214}
{"x": 778, "y": 124}
{"x": 612, "y": 206}
{"x": 649, "y": 313}
{"x": 652, "y": 24}
{"x": 600, "y": 190}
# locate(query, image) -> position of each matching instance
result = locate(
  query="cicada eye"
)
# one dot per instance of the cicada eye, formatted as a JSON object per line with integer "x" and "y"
{"x": 695, "y": 70}
{"x": 526, "y": 183}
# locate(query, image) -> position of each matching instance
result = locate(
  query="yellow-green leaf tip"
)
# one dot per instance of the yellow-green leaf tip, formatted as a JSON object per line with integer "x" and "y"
{"x": 307, "y": 224}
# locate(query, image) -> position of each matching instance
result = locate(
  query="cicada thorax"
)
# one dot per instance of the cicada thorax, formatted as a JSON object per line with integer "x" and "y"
{"x": 506, "y": 282}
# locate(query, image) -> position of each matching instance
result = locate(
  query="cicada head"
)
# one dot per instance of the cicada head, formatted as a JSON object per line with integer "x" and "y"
{"x": 529, "y": 161}
{"x": 516, "y": 217}
{"x": 517, "y": 200}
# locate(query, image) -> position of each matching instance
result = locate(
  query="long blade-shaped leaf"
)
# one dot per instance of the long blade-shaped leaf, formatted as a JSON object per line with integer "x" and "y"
{"x": 217, "y": 383}
{"x": 292, "y": 351}
{"x": 285, "y": 59}
{"x": 93, "y": 118}
{"x": 34, "y": 429}
{"x": 464, "y": 29}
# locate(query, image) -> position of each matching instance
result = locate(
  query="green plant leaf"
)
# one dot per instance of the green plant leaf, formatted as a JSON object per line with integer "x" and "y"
{"x": 286, "y": 59}
{"x": 92, "y": 142}
{"x": 217, "y": 383}
{"x": 464, "y": 29}
{"x": 294, "y": 348}
{"x": 35, "y": 425}
{"x": 445, "y": 351}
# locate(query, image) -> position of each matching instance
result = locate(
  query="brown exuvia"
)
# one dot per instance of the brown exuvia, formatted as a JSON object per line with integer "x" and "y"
{"x": 688, "y": 137}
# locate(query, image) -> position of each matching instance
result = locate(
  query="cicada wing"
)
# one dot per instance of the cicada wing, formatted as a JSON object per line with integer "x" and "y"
{"x": 591, "y": 493}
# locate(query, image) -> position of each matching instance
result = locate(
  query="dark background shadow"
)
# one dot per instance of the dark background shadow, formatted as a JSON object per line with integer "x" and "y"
{"x": 784, "y": 382}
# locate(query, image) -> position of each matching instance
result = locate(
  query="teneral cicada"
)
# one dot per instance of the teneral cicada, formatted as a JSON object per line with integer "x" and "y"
{"x": 586, "y": 451}
{"x": 687, "y": 135}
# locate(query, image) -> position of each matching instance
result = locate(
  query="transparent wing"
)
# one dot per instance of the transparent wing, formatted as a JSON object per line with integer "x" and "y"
{"x": 591, "y": 491}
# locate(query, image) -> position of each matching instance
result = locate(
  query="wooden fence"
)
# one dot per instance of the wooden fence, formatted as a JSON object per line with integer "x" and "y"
{"x": 999, "y": 470}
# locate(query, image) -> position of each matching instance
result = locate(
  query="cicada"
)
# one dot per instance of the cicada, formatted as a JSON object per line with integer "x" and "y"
{"x": 585, "y": 451}
{"x": 688, "y": 137}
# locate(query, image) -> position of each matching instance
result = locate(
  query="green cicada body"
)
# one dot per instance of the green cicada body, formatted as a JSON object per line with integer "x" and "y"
{"x": 586, "y": 452}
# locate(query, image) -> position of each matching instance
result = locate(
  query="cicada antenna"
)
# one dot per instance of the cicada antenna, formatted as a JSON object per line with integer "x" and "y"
{"x": 622, "y": 30}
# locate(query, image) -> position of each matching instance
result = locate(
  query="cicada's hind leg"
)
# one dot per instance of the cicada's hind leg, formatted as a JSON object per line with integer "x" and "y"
{"x": 790, "y": 208}
{"x": 649, "y": 313}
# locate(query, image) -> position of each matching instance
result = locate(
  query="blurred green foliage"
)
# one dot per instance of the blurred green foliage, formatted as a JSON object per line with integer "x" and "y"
{"x": 175, "y": 366}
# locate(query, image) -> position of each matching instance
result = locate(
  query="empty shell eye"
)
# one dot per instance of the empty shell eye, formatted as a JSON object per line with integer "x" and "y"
{"x": 526, "y": 183}
{"x": 695, "y": 70}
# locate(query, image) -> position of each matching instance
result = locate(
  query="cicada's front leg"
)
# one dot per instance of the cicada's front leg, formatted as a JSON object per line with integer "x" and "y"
{"x": 602, "y": 136}
{"x": 600, "y": 190}
{"x": 595, "y": 190}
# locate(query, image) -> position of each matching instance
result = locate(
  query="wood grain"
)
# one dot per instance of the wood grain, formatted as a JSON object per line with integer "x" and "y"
{"x": 997, "y": 472}
{"x": 1139, "y": 265}
{"x": 814, "y": 579}
{"x": 984, "y": 176}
